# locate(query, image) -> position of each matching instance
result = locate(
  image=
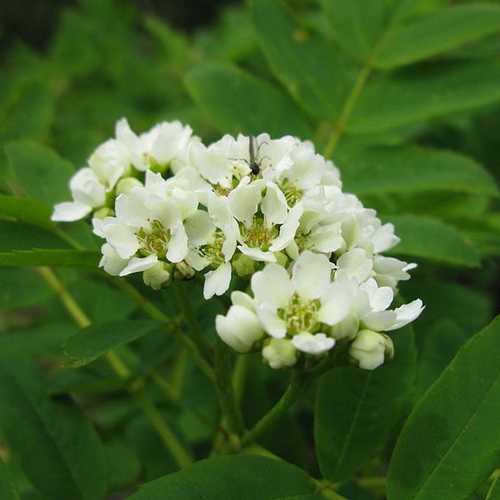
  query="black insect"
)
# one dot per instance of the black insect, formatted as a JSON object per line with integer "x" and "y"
{"x": 253, "y": 163}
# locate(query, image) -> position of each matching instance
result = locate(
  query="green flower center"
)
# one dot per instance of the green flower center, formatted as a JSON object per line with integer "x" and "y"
{"x": 300, "y": 315}
{"x": 153, "y": 241}
{"x": 213, "y": 251}
{"x": 292, "y": 193}
{"x": 258, "y": 235}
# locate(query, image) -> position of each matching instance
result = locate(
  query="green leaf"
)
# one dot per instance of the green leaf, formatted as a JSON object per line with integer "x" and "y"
{"x": 237, "y": 477}
{"x": 356, "y": 409}
{"x": 60, "y": 451}
{"x": 438, "y": 32}
{"x": 415, "y": 96}
{"x": 20, "y": 236}
{"x": 457, "y": 418}
{"x": 92, "y": 342}
{"x": 53, "y": 258}
{"x": 123, "y": 465}
{"x": 412, "y": 170}
{"x": 32, "y": 113}
{"x": 439, "y": 346}
{"x": 8, "y": 491}
{"x": 27, "y": 210}
{"x": 358, "y": 24}
{"x": 35, "y": 291}
{"x": 237, "y": 102}
{"x": 434, "y": 240}
{"x": 38, "y": 172}
{"x": 305, "y": 63}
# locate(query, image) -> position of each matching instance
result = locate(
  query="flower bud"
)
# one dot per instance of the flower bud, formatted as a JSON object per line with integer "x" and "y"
{"x": 243, "y": 265}
{"x": 240, "y": 328}
{"x": 280, "y": 353}
{"x": 183, "y": 271}
{"x": 126, "y": 185}
{"x": 157, "y": 276}
{"x": 346, "y": 329}
{"x": 281, "y": 258}
{"x": 104, "y": 212}
{"x": 370, "y": 348}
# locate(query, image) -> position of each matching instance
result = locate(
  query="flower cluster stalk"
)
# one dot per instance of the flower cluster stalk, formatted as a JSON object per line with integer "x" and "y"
{"x": 169, "y": 439}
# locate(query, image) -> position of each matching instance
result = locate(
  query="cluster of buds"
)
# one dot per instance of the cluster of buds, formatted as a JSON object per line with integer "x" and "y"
{"x": 270, "y": 210}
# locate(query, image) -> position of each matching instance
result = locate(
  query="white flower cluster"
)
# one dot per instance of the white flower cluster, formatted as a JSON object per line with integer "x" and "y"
{"x": 271, "y": 210}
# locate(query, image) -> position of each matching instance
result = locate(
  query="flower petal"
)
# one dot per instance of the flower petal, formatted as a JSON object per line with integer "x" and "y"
{"x": 257, "y": 254}
{"x": 217, "y": 282}
{"x": 69, "y": 211}
{"x": 245, "y": 199}
{"x": 240, "y": 328}
{"x": 139, "y": 264}
{"x": 274, "y": 205}
{"x": 313, "y": 344}
{"x": 288, "y": 229}
{"x": 311, "y": 275}
{"x": 178, "y": 245}
{"x": 273, "y": 325}
{"x": 272, "y": 286}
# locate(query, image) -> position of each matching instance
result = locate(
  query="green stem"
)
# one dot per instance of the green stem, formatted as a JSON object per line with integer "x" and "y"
{"x": 154, "y": 313}
{"x": 359, "y": 85}
{"x": 294, "y": 391}
{"x": 190, "y": 318}
{"x": 239, "y": 377}
{"x": 180, "y": 455}
{"x": 225, "y": 391}
{"x": 345, "y": 114}
{"x": 495, "y": 477}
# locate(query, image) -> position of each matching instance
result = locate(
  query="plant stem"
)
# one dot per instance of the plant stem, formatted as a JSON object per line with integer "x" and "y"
{"x": 295, "y": 389}
{"x": 181, "y": 456}
{"x": 154, "y": 313}
{"x": 341, "y": 123}
{"x": 225, "y": 391}
{"x": 239, "y": 377}
{"x": 178, "y": 452}
{"x": 359, "y": 85}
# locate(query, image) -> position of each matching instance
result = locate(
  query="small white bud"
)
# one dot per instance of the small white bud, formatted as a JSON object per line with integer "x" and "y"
{"x": 280, "y": 353}
{"x": 370, "y": 348}
{"x": 240, "y": 328}
{"x": 156, "y": 276}
{"x": 346, "y": 329}
{"x": 126, "y": 185}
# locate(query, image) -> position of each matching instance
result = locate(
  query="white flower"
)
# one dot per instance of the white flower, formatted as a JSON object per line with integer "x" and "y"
{"x": 212, "y": 239}
{"x": 369, "y": 308}
{"x": 110, "y": 261}
{"x": 317, "y": 231}
{"x": 304, "y": 303}
{"x": 356, "y": 264}
{"x": 267, "y": 225}
{"x": 110, "y": 161}
{"x": 389, "y": 271}
{"x": 239, "y": 328}
{"x": 370, "y": 348}
{"x": 148, "y": 226}
{"x": 166, "y": 144}
{"x": 280, "y": 353}
{"x": 88, "y": 194}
